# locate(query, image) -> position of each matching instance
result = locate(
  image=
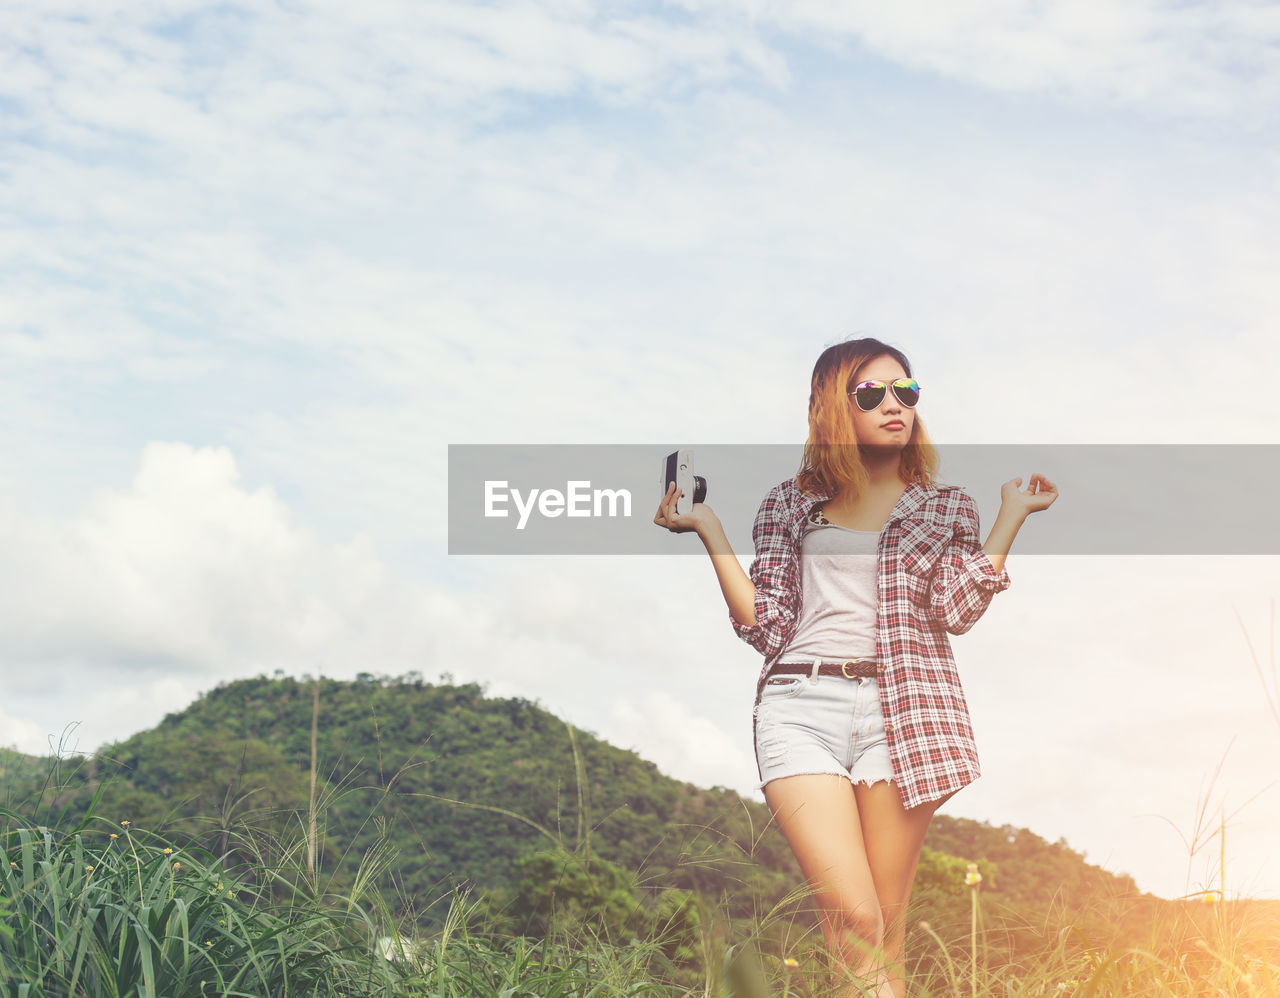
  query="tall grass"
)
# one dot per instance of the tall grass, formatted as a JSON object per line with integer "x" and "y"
{"x": 109, "y": 909}
{"x": 106, "y": 909}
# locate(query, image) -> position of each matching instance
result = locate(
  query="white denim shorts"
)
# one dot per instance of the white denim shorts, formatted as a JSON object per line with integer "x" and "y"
{"x": 828, "y": 725}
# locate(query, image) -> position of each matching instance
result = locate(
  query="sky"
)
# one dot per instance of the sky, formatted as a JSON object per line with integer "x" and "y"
{"x": 261, "y": 264}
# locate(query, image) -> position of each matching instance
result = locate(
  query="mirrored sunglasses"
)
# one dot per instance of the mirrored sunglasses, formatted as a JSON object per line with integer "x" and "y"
{"x": 869, "y": 394}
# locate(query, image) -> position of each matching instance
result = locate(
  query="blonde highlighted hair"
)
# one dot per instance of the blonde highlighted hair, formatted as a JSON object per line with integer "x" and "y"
{"x": 832, "y": 461}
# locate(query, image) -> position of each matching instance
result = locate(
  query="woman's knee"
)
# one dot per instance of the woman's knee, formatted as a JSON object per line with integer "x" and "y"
{"x": 860, "y": 921}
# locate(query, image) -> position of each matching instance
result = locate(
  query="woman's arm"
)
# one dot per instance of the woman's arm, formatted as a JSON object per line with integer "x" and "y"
{"x": 760, "y": 604}
{"x": 1003, "y": 531}
{"x": 738, "y": 589}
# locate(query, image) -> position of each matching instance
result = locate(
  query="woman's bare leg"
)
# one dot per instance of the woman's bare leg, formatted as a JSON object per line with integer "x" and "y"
{"x": 818, "y": 816}
{"x": 893, "y": 837}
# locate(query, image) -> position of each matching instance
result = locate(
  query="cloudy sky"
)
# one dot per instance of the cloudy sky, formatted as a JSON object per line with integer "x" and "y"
{"x": 262, "y": 264}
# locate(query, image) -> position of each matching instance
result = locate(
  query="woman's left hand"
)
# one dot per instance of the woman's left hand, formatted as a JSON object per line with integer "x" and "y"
{"x": 1039, "y": 494}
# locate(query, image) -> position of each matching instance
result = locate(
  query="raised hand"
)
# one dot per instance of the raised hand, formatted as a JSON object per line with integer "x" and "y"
{"x": 1039, "y": 494}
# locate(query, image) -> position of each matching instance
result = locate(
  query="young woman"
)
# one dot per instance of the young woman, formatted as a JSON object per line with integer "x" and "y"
{"x": 863, "y": 565}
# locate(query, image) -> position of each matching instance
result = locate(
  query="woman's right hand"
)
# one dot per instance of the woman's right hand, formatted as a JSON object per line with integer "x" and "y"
{"x": 699, "y": 517}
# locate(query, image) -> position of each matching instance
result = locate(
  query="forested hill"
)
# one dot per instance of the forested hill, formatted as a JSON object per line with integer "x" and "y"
{"x": 461, "y": 787}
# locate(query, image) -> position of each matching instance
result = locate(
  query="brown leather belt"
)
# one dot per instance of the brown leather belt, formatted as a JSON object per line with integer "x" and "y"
{"x": 850, "y": 668}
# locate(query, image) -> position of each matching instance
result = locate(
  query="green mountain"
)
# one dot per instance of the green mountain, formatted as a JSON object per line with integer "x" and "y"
{"x": 453, "y": 788}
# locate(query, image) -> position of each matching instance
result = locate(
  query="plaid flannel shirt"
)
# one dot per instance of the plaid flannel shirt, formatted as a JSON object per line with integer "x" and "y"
{"x": 933, "y": 579}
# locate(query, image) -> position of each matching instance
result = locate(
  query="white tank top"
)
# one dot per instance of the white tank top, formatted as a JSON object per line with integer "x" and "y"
{"x": 838, "y": 594}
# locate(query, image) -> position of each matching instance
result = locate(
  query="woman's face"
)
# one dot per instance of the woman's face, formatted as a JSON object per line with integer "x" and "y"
{"x": 875, "y": 428}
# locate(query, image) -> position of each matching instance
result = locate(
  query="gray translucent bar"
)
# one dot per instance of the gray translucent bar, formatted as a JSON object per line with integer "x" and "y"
{"x": 1133, "y": 499}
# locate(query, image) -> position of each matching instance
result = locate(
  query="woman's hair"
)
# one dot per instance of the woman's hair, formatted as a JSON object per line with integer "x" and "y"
{"x": 832, "y": 460}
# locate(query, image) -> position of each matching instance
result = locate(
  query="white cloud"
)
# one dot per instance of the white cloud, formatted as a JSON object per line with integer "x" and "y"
{"x": 658, "y": 723}
{"x": 186, "y": 570}
{"x": 254, "y": 64}
{"x": 22, "y": 734}
{"x": 196, "y": 220}
{"x": 1170, "y": 56}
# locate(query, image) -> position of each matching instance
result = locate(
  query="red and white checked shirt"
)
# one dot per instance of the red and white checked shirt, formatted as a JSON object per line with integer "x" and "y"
{"x": 933, "y": 578}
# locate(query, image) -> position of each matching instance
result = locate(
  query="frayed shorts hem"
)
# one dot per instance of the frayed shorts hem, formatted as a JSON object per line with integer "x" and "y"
{"x": 863, "y": 780}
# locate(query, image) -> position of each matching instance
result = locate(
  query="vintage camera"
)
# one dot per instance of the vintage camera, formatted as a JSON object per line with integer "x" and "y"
{"x": 678, "y": 467}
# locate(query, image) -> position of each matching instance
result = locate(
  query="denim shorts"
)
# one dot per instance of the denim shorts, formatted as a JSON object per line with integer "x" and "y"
{"x": 831, "y": 725}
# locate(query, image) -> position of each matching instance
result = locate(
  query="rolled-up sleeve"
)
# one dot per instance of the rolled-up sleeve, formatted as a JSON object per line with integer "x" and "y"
{"x": 965, "y": 580}
{"x": 773, "y": 573}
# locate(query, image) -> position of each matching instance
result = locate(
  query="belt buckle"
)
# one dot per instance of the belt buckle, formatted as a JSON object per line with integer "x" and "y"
{"x": 844, "y": 667}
